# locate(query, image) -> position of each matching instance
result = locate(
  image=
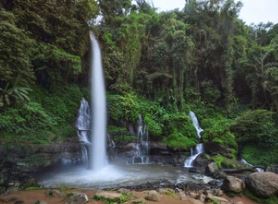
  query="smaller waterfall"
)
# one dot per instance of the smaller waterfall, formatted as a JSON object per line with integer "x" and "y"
{"x": 196, "y": 124}
{"x": 243, "y": 161}
{"x": 142, "y": 144}
{"x": 195, "y": 152}
{"x": 199, "y": 149}
{"x": 83, "y": 128}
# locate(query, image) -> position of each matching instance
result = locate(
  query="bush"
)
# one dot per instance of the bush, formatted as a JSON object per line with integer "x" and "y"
{"x": 127, "y": 107}
{"x": 224, "y": 162}
{"x": 179, "y": 130}
{"x": 48, "y": 117}
{"x": 29, "y": 123}
{"x": 256, "y": 126}
{"x": 217, "y": 131}
{"x": 257, "y": 155}
{"x": 179, "y": 141}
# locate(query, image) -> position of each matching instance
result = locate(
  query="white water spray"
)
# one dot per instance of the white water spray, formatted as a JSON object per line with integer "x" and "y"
{"x": 199, "y": 149}
{"x": 141, "y": 154}
{"x": 196, "y": 123}
{"x": 98, "y": 158}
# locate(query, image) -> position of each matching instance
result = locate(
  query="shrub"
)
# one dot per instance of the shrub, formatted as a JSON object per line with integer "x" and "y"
{"x": 46, "y": 118}
{"x": 177, "y": 140}
{"x": 257, "y": 155}
{"x": 257, "y": 126}
{"x": 217, "y": 131}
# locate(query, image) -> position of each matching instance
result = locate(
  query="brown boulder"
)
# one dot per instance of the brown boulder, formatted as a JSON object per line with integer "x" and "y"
{"x": 263, "y": 183}
{"x": 152, "y": 196}
{"x": 233, "y": 184}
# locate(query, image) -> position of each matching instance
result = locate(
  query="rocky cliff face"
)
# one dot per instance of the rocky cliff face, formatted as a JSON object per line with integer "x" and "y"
{"x": 19, "y": 162}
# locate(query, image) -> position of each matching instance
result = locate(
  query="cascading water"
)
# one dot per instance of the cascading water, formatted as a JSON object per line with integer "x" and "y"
{"x": 258, "y": 169}
{"x": 195, "y": 152}
{"x": 83, "y": 128}
{"x": 91, "y": 130}
{"x": 83, "y": 122}
{"x": 91, "y": 123}
{"x": 199, "y": 149}
{"x": 98, "y": 111}
{"x": 142, "y": 145}
{"x": 196, "y": 124}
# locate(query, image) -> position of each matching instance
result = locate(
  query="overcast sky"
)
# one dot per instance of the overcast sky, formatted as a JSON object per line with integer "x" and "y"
{"x": 253, "y": 11}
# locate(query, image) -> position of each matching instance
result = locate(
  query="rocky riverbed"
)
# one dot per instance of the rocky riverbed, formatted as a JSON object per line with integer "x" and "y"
{"x": 118, "y": 196}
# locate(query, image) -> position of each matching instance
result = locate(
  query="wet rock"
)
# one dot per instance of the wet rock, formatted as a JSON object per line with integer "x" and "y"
{"x": 123, "y": 190}
{"x": 272, "y": 168}
{"x": 212, "y": 168}
{"x": 109, "y": 195}
{"x": 201, "y": 162}
{"x": 54, "y": 193}
{"x": 233, "y": 184}
{"x": 213, "y": 171}
{"x": 19, "y": 163}
{"x": 217, "y": 192}
{"x": 128, "y": 147}
{"x": 166, "y": 191}
{"x": 263, "y": 183}
{"x": 157, "y": 147}
{"x": 217, "y": 199}
{"x": 215, "y": 148}
{"x": 202, "y": 197}
{"x": 77, "y": 198}
{"x": 193, "y": 194}
{"x": 152, "y": 196}
{"x": 138, "y": 201}
{"x": 181, "y": 194}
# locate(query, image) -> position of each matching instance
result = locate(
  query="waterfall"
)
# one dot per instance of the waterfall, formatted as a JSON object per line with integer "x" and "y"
{"x": 91, "y": 122}
{"x": 98, "y": 103}
{"x": 196, "y": 123}
{"x": 83, "y": 128}
{"x": 142, "y": 145}
{"x": 258, "y": 169}
{"x": 199, "y": 149}
{"x": 83, "y": 122}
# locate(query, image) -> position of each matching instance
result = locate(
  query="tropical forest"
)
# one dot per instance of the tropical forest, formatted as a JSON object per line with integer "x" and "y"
{"x": 115, "y": 101}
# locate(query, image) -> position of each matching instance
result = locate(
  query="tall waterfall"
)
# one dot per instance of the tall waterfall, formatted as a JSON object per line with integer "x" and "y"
{"x": 98, "y": 103}
{"x": 199, "y": 149}
{"x": 91, "y": 122}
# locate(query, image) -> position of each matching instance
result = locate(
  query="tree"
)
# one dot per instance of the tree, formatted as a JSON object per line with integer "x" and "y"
{"x": 15, "y": 67}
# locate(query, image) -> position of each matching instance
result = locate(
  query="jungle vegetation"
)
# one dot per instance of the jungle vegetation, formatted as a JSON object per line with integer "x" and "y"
{"x": 159, "y": 64}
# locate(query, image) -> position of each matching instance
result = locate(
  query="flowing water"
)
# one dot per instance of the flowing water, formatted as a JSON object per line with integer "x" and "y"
{"x": 243, "y": 161}
{"x": 141, "y": 153}
{"x": 199, "y": 149}
{"x": 112, "y": 176}
{"x": 98, "y": 111}
{"x": 83, "y": 129}
{"x": 91, "y": 122}
{"x": 91, "y": 131}
{"x": 196, "y": 124}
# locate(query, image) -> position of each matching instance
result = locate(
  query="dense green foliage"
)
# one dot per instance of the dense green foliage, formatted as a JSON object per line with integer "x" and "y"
{"x": 256, "y": 126}
{"x": 45, "y": 118}
{"x": 160, "y": 65}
